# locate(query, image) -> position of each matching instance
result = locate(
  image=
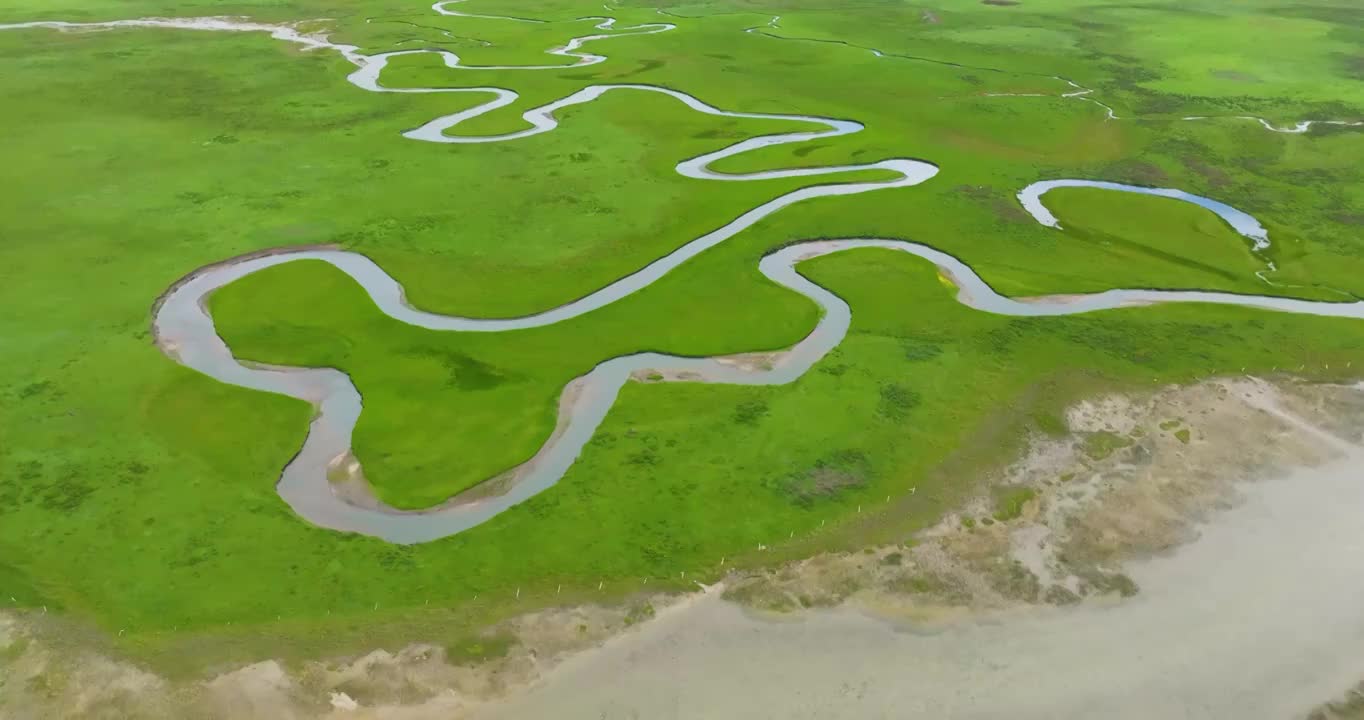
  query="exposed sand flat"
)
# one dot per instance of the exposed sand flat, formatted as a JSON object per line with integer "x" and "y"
{"x": 1259, "y": 617}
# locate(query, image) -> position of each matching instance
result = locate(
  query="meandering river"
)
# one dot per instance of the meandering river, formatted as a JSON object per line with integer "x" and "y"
{"x": 185, "y": 330}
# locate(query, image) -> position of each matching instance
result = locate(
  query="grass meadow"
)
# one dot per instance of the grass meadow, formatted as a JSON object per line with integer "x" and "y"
{"x": 137, "y": 496}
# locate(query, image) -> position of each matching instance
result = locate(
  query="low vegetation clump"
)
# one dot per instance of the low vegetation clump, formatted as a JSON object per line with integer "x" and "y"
{"x": 1101, "y": 444}
{"x": 479, "y": 648}
{"x": 1010, "y": 501}
{"x": 1350, "y": 707}
{"x": 1106, "y": 582}
{"x": 638, "y": 613}
{"x": 831, "y": 476}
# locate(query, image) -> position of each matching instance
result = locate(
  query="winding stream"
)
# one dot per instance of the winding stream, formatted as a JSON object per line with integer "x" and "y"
{"x": 1299, "y": 128}
{"x": 1243, "y": 223}
{"x": 185, "y": 331}
{"x": 1079, "y": 92}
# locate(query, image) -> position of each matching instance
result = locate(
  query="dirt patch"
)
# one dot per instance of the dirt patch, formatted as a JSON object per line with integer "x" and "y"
{"x": 747, "y": 362}
{"x": 929, "y": 18}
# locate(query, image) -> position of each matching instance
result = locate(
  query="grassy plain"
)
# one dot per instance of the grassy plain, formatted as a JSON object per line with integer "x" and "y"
{"x": 139, "y": 495}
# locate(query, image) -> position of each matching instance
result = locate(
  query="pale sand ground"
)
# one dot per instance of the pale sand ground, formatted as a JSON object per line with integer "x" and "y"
{"x": 1260, "y": 617}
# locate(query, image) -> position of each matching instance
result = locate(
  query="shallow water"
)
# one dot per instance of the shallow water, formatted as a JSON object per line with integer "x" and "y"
{"x": 1258, "y": 618}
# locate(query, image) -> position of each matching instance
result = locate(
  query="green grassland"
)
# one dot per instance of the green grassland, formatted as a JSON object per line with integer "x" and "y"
{"x": 139, "y": 495}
